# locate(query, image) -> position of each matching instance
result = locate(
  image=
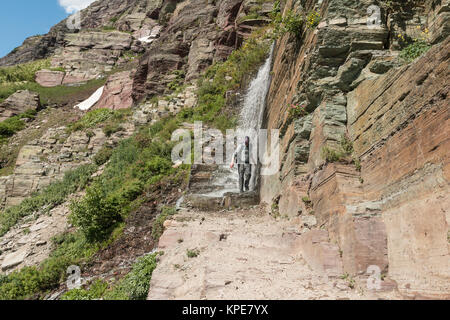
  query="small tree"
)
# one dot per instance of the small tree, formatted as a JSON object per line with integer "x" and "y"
{"x": 95, "y": 214}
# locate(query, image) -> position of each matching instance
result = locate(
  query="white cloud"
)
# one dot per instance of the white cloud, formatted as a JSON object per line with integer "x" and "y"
{"x": 72, "y": 6}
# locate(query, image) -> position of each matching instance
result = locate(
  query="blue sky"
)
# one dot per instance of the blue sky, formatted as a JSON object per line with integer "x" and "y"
{"x": 20, "y": 19}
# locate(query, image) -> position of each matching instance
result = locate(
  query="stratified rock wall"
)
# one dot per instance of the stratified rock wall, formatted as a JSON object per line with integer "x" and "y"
{"x": 388, "y": 206}
{"x": 197, "y": 34}
{"x": 123, "y": 15}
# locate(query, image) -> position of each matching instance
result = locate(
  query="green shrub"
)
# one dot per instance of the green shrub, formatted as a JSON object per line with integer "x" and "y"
{"x": 14, "y": 124}
{"x": 96, "y": 215}
{"x": 331, "y": 155}
{"x": 291, "y": 22}
{"x": 313, "y": 19}
{"x": 96, "y": 291}
{"x": 136, "y": 284}
{"x": 112, "y": 128}
{"x": 345, "y": 150}
{"x": 177, "y": 83}
{"x": 346, "y": 145}
{"x": 414, "y": 50}
{"x": 110, "y": 118}
{"x": 108, "y": 200}
{"x": 10, "y": 126}
{"x": 103, "y": 156}
{"x": 49, "y": 198}
{"x": 192, "y": 253}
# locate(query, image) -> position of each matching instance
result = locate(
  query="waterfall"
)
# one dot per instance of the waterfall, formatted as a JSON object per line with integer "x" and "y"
{"x": 249, "y": 123}
{"x": 252, "y": 113}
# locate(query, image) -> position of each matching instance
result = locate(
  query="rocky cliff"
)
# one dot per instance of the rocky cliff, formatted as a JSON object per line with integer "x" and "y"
{"x": 361, "y": 104}
{"x": 369, "y": 161}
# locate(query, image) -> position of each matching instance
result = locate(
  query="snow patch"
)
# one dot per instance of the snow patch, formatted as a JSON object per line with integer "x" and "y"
{"x": 88, "y": 103}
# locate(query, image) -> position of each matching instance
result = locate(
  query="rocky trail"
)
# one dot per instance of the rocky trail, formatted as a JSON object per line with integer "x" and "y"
{"x": 242, "y": 254}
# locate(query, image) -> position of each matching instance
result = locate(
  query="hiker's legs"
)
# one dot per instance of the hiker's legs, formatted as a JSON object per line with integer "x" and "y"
{"x": 241, "y": 171}
{"x": 247, "y": 176}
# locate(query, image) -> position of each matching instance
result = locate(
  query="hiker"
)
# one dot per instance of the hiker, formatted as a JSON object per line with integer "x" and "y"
{"x": 242, "y": 157}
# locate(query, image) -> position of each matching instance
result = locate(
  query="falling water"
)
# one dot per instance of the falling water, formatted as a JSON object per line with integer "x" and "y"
{"x": 255, "y": 100}
{"x": 250, "y": 118}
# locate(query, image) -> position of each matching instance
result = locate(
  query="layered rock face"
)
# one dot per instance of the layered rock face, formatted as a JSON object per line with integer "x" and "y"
{"x": 122, "y": 15}
{"x": 88, "y": 55}
{"x": 196, "y": 35}
{"x": 18, "y": 103}
{"x": 390, "y": 207}
{"x": 400, "y": 127}
{"x": 117, "y": 92}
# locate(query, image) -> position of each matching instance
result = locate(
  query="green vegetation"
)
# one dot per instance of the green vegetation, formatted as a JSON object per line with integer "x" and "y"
{"x": 136, "y": 166}
{"x": 297, "y": 111}
{"x": 108, "y": 28}
{"x": 135, "y": 169}
{"x": 130, "y": 55}
{"x": 22, "y": 77}
{"x": 177, "y": 83}
{"x": 57, "y": 95}
{"x": 401, "y": 5}
{"x": 95, "y": 291}
{"x": 95, "y": 214}
{"x": 357, "y": 164}
{"x": 291, "y": 22}
{"x": 250, "y": 16}
{"x": 134, "y": 286}
{"x": 346, "y": 145}
{"x": 103, "y": 155}
{"x": 414, "y": 50}
{"x": 114, "y": 19}
{"x": 223, "y": 77}
{"x": 331, "y": 155}
{"x": 350, "y": 280}
{"x": 158, "y": 224}
{"x": 110, "y": 118}
{"x": 23, "y": 72}
{"x": 275, "y": 208}
{"x": 72, "y": 249}
{"x": 49, "y": 198}
{"x": 313, "y": 19}
{"x": 14, "y": 124}
{"x": 307, "y": 201}
{"x": 192, "y": 253}
{"x": 345, "y": 150}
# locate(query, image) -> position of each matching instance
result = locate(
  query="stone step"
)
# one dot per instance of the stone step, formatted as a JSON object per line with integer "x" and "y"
{"x": 229, "y": 200}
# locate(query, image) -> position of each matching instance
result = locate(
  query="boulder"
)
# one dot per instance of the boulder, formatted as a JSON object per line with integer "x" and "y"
{"x": 48, "y": 78}
{"x": 18, "y": 103}
{"x": 14, "y": 259}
